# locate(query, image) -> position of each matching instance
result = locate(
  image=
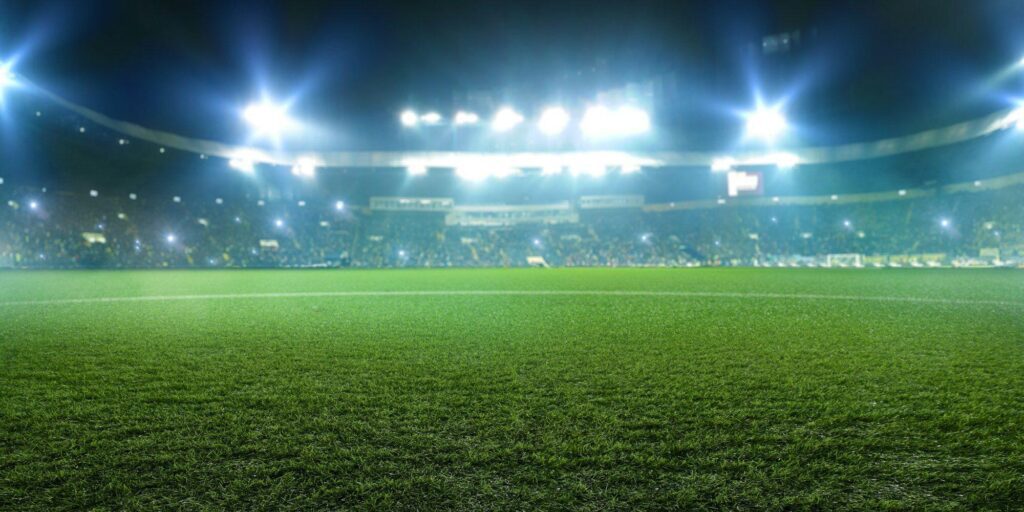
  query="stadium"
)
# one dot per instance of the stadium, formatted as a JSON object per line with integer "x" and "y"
{"x": 663, "y": 256}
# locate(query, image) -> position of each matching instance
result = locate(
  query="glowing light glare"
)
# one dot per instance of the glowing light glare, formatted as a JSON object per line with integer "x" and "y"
{"x": 279, "y": 223}
{"x": 339, "y": 205}
{"x": 630, "y": 169}
{"x": 33, "y": 205}
{"x": 466, "y": 118}
{"x": 266, "y": 118}
{"x": 416, "y": 170}
{"x": 633, "y": 121}
{"x": 7, "y": 79}
{"x": 305, "y": 167}
{"x": 6, "y": 76}
{"x": 723, "y": 164}
{"x": 170, "y": 238}
{"x": 409, "y": 118}
{"x": 506, "y": 119}
{"x": 766, "y": 123}
{"x": 431, "y": 118}
{"x": 594, "y": 170}
{"x": 551, "y": 170}
{"x": 785, "y": 161}
{"x": 245, "y": 161}
{"x": 944, "y": 223}
{"x": 601, "y": 122}
{"x": 553, "y": 121}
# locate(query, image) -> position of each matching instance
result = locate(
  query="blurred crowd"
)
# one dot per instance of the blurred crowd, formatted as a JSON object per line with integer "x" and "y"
{"x": 51, "y": 230}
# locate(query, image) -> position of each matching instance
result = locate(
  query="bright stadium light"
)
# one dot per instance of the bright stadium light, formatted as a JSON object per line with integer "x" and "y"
{"x": 633, "y": 121}
{"x": 7, "y": 78}
{"x": 305, "y": 167}
{"x": 279, "y": 223}
{"x": 602, "y": 122}
{"x": 463, "y": 118}
{"x": 245, "y": 160}
{"x": 766, "y": 124}
{"x": 170, "y": 238}
{"x": 409, "y": 118}
{"x": 472, "y": 172}
{"x": 33, "y": 205}
{"x": 630, "y": 169}
{"x": 431, "y": 118}
{"x": 553, "y": 121}
{"x": 339, "y": 205}
{"x": 944, "y": 223}
{"x": 268, "y": 119}
{"x": 506, "y": 119}
{"x": 416, "y": 170}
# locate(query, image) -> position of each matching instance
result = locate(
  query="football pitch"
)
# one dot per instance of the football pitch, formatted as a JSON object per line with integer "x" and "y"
{"x": 586, "y": 389}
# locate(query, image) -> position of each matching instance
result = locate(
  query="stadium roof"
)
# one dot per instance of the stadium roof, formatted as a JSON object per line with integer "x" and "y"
{"x": 856, "y": 71}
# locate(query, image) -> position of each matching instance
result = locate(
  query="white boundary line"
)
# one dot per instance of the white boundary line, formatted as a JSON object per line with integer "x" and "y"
{"x": 524, "y": 293}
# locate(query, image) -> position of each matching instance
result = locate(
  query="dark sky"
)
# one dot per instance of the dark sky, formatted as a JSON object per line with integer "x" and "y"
{"x": 864, "y": 69}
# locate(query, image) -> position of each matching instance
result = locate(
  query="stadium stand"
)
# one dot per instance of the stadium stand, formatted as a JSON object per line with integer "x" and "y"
{"x": 977, "y": 223}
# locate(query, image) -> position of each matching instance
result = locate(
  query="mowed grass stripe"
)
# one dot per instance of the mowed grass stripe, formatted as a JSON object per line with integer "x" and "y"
{"x": 527, "y": 293}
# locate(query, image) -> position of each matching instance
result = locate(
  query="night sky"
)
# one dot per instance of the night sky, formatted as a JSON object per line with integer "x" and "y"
{"x": 864, "y": 69}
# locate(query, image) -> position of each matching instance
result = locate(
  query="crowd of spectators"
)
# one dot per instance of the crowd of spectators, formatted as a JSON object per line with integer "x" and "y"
{"x": 51, "y": 230}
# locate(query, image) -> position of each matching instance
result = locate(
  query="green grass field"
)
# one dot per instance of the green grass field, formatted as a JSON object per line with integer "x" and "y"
{"x": 527, "y": 389}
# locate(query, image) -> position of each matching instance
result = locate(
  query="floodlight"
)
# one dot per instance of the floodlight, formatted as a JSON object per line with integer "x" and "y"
{"x": 944, "y": 223}
{"x": 33, "y": 205}
{"x": 633, "y": 121}
{"x": 630, "y": 168}
{"x": 472, "y": 172}
{"x": 431, "y": 118}
{"x": 409, "y": 118}
{"x": 536, "y": 242}
{"x": 847, "y": 223}
{"x": 170, "y": 238}
{"x": 339, "y": 205}
{"x": 7, "y": 79}
{"x": 766, "y": 124}
{"x": 464, "y": 118}
{"x": 304, "y": 167}
{"x": 6, "y": 76}
{"x": 602, "y": 122}
{"x": 416, "y": 170}
{"x": 94, "y": 193}
{"x": 266, "y": 118}
{"x": 597, "y": 121}
{"x": 553, "y": 121}
{"x": 279, "y": 223}
{"x": 242, "y": 164}
{"x": 506, "y": 119}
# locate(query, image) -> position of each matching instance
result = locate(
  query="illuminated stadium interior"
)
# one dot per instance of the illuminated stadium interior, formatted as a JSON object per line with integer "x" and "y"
{"x": 567, "y": 255}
